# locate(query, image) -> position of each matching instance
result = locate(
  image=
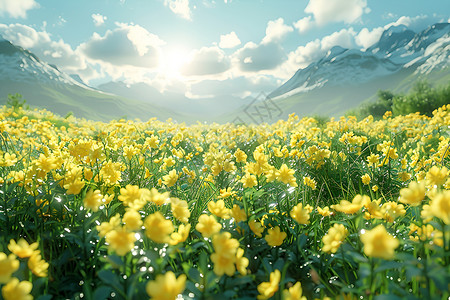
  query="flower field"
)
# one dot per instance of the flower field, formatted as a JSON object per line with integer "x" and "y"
{"x": 300, "y": 209}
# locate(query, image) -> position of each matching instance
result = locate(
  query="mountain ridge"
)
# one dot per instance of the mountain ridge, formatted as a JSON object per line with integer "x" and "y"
{"x": 397, "y": 48}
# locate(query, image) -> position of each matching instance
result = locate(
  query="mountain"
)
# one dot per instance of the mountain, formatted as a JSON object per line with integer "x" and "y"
{"x": 205, "y": 110}
{"x": 44, "y": 86}
{"x": 344, "y": 78}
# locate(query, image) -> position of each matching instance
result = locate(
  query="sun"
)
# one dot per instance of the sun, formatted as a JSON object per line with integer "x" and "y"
{"x": 172, "y": 62}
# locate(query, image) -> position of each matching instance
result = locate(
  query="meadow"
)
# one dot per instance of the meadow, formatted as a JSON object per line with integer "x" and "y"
{"x": 300, "y": 209}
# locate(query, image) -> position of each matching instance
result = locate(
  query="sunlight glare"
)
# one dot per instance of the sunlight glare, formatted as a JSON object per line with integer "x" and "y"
{"x": 172, "y": 61}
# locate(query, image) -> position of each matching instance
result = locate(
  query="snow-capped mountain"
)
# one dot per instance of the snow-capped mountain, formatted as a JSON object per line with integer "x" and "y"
{"x": 398, "y": 51}
{"x": 45, "y": 86}
{"x": 20, "y": 65}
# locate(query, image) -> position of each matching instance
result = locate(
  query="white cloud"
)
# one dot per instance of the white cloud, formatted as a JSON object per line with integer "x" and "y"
{"x": 206, "y": 61}
{"x": 17, "y": 8}
{"x": 229, "y": 40}
{"x": 255, "y": 58}
{"x": 305, "y": 24}
{"x": 41, "y": 44}
{"x": 366, "y": 38}
{"x": 303, "y": 56}
{"x": 344, "y": 38}
{"x": 327, "y": 11}
{"x": 276, "y": 31}
{"x": 180, "y": 7}
{"x": 126, "y": 45}
{"x": 98, "y": 19}
{"x": 417, "y": 23}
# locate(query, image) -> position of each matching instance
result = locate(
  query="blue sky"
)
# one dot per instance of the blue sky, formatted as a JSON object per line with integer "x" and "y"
{"x": 201, "y": 47}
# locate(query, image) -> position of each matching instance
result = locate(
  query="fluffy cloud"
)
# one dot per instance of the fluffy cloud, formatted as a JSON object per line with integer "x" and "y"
{"x": 327, "y": 11}
{"x": 17, "y": 8}
{"x": 268, "y": 54}
{"x": 314, "y": 50}
{"x": 41, "y": 44}
{"x": 417, "y": 23}
{"x": 179, "y": 7}
{"x": 344, "y": 38}
{"x": 98, "y": 19}
{"x": 206, "y": 61}
{"x": 367, "y": 38}
{"x": 265, "y": 56}
{"x": 276, "y": 31}
{"x": 126, "y": 45}
{"x": 304, "y": 24}
{"x": 230, "y": 40}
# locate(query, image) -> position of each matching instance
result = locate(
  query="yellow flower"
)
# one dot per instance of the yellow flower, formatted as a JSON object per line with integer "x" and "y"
{"x": 268, "y": 289}
{"x": 120, "y": 241}
{"x": 15, "y": 290}
{"x": 249, "y": 180}
{"x": 74, "y": 187}
{"x": 440, "y": 206}
{"x": 207, "y": 225}
{"x": 111, "y": 172}
{"x": 436, "y": 176}
{"x": 8, "y": 160}
{"x": 391, "y": 210}
{"x": 132, "y": 220}
{"x": 309, "y": 182}
{"x": 256, "y": 227}
{"x": 353, "y": 207}
{"x": 414, "y": 194}
{"x": 37, "y": 265}
{"x": 225, "y": 193}
{"x": 8, "y": 265}
{"x": 22, "y": 249}
{"x": 73, "y": 182}
{"x": 166, "y": 287}
{"x": 275, "y": 237}
{"x": 300, "y": 214}
{"x": 224, "y": 256}
{"x": 325, "y": 212}
{"x": 240, "y": 155}
{"x": 286, "y": 175}
{"x": 105, "y": 227}
{"x": 158, "y": 198}
{"x": 132, "y": 196}
{"x": 334, "y": 238}
{"x": 238, "y": 214}
{"x": 365, "y": 179}
{"x": 241, "y": 262}
{"x": 379, "y": 243}
{"x": 93, "y": 200}
{"x": 426, "y": 232}
{"x": 218, "y": 209}
{"x": 294, "y": 293}
{"x": 373, "y": 159}
{"x": 171, "y": 178}
{"x": 373, "y": 210}
{"x": 180, "y": 209}
{"x": 158, "y": 228}
{"x": 181, "y": 235}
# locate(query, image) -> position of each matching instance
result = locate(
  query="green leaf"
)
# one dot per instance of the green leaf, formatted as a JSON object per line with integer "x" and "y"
{"x": 388, "y": 265}
{"x": 102, "y": 292}
{"x": 109, "y": 278}
{"x": 44, "y": 297}
{"x": 387, "y": 297}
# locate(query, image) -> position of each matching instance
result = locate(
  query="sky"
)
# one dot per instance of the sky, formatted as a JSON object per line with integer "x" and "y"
{"x": 202, "y": 48}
